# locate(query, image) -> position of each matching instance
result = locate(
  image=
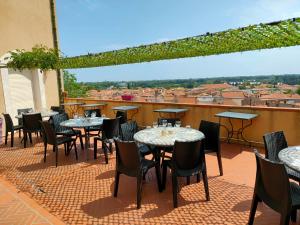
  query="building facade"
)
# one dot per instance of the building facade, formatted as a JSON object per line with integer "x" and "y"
{"x": 24, "y": 24}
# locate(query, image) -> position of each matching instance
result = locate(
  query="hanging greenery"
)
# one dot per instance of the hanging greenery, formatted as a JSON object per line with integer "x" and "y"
{"x": 39, "y": 57}
{"x": 262, "y": 36}
{"x": 255, "y": 37}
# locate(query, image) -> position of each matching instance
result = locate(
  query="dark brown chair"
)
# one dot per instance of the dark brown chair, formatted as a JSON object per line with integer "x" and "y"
{"x": 65, "y": 131}
{"x": 31, "y": 124}
{"x": 51, "y": 139}
{"x": 212, "y": 143}
{"x": 10, "y": 128}
{"x": 98, "y": 129}
{"x": 20, "y": 112}
{"x": 110, "y": 130}
{"x": 275, "y": 191}
{"x": 130, "y": 163}
{"x": 122, "y": 116}
{"x": 128, "y": 130}
{"x": 188, "y": 159}
{"x": 274, "y": 143}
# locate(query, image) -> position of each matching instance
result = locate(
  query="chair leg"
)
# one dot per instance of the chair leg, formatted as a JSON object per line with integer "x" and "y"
{"x": 81, "y": 141}
{"x": 45, "y": 151}
{"x": 198, "y": 177}
{"x": 95, "y": 148}
{"x": 6, "y": 135}
{"x": 116, "y": 187}
{"x": 104, "y": 148}
{"x": 188, "y": 180}
{"x": 158, "y": 177}
{"x": 12, "y": 139}
{"x": 205, "y": 182}
{"x": 75, "y": 148}
{"x": 174, "y": 189}
{"x": 30, "y": 138}
{"x": 56, "y": 155}
{"x": 65, "y": 148}
{"x": 253, "y": 209}
{"x": 294, "y": 215}
{"x": 164, "y": 177}
{"x": 19, "y": 133}
{"x": 285, "y": 219}
{"x": 219, "y": 157}
{"x": 25, "y": 138}
{"x": 139, "y": 191}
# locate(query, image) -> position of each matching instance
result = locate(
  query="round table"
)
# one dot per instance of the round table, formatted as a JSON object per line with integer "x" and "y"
{"x": 84, "y": 123}
{"x": 166, "y": 136}
{"x": 44, "y": 114}
{"x": 291, "y": 157}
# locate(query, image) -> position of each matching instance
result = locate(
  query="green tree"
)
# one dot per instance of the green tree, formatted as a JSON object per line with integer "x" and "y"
{"x": 73, "y": 88}
{"x": 298, "y": 91}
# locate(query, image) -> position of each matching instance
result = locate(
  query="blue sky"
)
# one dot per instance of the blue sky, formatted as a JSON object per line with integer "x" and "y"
{"x": 100, "y": 25}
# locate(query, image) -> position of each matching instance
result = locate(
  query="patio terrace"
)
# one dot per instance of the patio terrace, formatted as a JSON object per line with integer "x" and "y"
{"x": 80, "y": 192}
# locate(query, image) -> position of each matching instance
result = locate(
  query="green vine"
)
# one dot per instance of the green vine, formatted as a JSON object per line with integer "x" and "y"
{"x": 39, "y": 57}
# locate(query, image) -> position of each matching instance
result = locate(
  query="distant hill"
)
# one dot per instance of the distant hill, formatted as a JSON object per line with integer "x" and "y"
{"x": 291, "y": 79}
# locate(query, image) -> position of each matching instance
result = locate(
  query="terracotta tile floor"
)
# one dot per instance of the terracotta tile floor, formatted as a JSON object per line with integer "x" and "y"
{"x": 81, "y": 192}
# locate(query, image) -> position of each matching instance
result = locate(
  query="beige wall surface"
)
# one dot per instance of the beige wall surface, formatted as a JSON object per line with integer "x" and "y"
{"x": 24, "y": 24}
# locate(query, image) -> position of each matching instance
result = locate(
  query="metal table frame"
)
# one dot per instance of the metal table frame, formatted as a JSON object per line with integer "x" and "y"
{"x": 240, "y": 131}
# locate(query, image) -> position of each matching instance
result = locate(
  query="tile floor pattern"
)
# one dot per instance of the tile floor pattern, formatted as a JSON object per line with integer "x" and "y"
{"x": 81, "y": 192}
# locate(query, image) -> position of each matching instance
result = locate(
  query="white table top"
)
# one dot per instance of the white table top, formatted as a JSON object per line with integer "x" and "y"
{"x": 291, "y": 157}
{"x": 83, "y": 122}
{"x": 170, "y": 110}
{"x": 44, "y": 114}
{"x": 166, "y": 136}
{"x": 125, "y": 108}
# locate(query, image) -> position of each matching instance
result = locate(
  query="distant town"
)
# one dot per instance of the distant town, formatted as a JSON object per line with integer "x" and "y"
{"x": 269, "y": 91}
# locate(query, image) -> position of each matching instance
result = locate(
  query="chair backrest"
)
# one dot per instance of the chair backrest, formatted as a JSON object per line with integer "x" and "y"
{"x": 122, "y": 115}
{"x": 58, "y": 109}
{"x": 57, "y": 119}
{"x": 111, "y": 128}
{"x": 272, "y": 183}
{"x": 31, "y": 122}
{"x": 187, "y": 155}
{"x": 169, "y": 120}
{"x": 21, "y": 111}
{"x": 274, "y": 143}
{"x": 48, "y": 133}
{"x": 128, "y": 157}
{"x": 128, "y": 130}
{"x": 89, "y": 112}
{"x": 211, "y": 131}
{"x": 9, "y": 125}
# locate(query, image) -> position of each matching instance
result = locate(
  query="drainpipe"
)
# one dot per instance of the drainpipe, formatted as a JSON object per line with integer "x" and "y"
{"x": 56, "y": 46}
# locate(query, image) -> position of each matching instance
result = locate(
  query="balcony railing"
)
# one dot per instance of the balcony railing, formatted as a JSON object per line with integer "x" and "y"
{"x": 269, "y": 119}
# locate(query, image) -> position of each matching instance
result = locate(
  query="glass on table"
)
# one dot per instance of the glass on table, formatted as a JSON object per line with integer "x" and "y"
{"x": 93, "y": 114}
{"x": 103, "y": 115}
{"x": 188, "y": 126}
{"x": 169, "y": 125}
{"x": 86, "y": 114}
{"x": 178, "y": 123}
{"x": 155, "y": 124}
{"x": 75, "y": 116}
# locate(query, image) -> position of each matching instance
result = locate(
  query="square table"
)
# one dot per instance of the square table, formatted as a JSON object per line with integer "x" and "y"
{"x": 175, "y": 111}
{"x": 237, "y": 116}
{"x": 126, "y": 108}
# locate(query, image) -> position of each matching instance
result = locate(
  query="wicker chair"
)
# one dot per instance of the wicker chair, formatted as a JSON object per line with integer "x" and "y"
{"x": 51, "y": 139}
{"x": 274, "y": 143}
{"x": 98, "y": 129}
{"x": 21, "y": 111}
{"x": 110, "y": 130}
{"x": 129, "y": 162}
{"x": 10, "y": 128}
{"x": 275, "y": 191}
{"x": 59, "y": 130}
{"x": 31, "y": 124}
{"x": 127, "y": 131}
{"x": 122, "y": 115}
{"x": 212, "y": 144}
{"x": 188, "y": 159}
